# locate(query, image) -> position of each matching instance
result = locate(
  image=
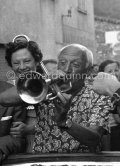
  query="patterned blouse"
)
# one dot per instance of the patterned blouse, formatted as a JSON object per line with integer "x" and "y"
{"x": 87, "y": 108}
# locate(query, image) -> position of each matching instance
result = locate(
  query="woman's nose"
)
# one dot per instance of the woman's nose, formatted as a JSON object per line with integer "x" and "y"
{"x": 22, "y": 66}
{"x": 113, "y": 73}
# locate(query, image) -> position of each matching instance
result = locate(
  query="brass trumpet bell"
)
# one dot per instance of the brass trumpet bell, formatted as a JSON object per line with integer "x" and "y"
{"x": 32, "y": 87}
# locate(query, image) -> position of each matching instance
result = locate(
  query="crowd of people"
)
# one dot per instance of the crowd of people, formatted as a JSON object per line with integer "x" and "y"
{"x": 90, "y": 111}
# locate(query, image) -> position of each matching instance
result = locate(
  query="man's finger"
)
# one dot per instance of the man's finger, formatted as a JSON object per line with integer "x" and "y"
{"x": 15, "y": 124}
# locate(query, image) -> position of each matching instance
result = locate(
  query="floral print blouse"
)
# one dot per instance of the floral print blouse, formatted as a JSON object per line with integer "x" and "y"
{"x": 87, "y": 108}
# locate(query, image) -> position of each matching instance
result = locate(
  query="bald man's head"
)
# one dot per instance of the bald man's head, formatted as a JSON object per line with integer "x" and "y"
{"x": 85, "y": 54}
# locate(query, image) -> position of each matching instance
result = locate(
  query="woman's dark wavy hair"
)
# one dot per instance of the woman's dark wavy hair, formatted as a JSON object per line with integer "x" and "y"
{"x": 105, "y": 63}
{"x": 32, "y": 47}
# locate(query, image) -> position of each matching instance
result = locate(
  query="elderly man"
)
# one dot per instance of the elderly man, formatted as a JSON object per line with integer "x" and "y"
{"x": 79, "y": 125}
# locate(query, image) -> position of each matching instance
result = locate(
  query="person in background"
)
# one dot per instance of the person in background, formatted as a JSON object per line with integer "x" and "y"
{"x": 95, "y": 69}
{"x": 12, "y": 142}
{"x": 112, "y": 67}
{"x": 107, "y": 84}
{"x": 92, "y": 73}
{"x": 51, "y": 65}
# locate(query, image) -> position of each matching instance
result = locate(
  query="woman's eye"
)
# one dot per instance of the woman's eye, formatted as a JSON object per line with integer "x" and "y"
{"x": 15, "y": 63}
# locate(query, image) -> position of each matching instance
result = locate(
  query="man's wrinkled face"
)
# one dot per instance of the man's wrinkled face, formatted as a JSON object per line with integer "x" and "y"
{"x": 72, "y": 62}
{"x": 22, "y": 61}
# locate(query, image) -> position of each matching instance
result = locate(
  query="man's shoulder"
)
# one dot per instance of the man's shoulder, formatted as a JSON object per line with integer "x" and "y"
{"x": 88, "y": 92}
{"x": 4, "y": 86}
{"x": 91, "y": 91}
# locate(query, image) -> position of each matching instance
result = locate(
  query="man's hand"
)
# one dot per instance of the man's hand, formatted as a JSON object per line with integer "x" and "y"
{"x": 61, "y": 109}
{"x": 105, "y": 84}
{"x": 18, "y": 129}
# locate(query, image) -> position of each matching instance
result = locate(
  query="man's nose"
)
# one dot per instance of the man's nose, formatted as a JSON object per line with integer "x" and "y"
{"x": 68, "y": 68}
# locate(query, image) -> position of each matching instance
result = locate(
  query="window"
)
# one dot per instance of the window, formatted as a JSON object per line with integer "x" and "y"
{"x": 82, "y": 6}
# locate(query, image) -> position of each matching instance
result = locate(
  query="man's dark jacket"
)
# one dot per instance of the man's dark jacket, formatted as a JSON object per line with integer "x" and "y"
{"x": 10, "y": 144}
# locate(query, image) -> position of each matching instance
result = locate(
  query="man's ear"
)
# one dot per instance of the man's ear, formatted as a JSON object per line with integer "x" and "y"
{"x": 88, "y": 71}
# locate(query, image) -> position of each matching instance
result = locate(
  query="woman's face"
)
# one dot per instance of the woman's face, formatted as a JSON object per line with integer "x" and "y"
{"x": 112, "y": 69}
{"x": 22, "y": 61}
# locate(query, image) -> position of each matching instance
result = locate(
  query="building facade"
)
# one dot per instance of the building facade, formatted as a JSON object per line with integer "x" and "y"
{"x": 105, "y": 50}
{"x": 107, "y": 28}
{"x": 51, "y": 23}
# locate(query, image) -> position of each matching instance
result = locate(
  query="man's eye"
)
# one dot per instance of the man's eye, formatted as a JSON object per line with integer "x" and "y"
{"x": 76, "y": 65}
{"x": 62, "y": 63}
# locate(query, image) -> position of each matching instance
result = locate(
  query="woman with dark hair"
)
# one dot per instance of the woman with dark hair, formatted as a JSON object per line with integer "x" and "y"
{"x": 112, "y": 67}
{"x": 22, "y": 56}
{"x": 29, "y": 61}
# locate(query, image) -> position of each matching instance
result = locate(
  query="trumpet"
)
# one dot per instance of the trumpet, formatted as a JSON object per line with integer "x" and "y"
{"x": 35, "y": 87}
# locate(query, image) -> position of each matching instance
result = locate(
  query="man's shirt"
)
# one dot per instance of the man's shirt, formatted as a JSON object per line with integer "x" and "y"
{"x": 87, "y": 109}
